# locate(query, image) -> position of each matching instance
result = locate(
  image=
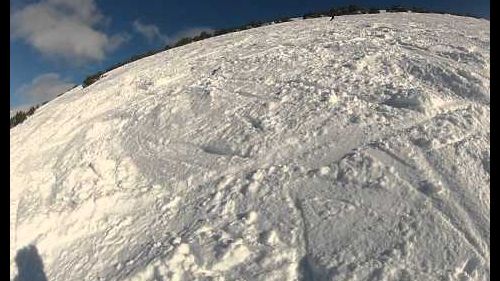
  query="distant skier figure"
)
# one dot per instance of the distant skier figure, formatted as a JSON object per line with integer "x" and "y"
{"x": 332, "y": 13}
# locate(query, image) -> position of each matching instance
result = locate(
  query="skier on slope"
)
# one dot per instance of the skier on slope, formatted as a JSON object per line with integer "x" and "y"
{"x": 332, "y": 13}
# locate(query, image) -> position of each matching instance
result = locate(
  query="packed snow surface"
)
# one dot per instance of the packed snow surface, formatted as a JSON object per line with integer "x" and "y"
{"x": 356, "y": 149}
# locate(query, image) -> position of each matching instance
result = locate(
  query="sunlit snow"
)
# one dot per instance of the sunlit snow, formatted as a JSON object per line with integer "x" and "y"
{"x": 352, "y": 149}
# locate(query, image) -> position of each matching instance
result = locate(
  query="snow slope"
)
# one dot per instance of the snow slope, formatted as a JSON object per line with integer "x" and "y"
{"x": 356, "y": 149}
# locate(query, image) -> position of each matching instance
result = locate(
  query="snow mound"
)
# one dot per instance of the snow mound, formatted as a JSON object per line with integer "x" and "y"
{"x": 356, "y": 149}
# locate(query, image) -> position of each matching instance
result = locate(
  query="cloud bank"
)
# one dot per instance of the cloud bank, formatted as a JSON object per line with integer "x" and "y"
{"x": 150, "y": 31}
{"x": 65, "y": 29}
{"x": 43, "y": 88}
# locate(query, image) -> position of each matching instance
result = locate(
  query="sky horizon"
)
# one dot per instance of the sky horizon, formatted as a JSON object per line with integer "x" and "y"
{"x": 55, "y": 44}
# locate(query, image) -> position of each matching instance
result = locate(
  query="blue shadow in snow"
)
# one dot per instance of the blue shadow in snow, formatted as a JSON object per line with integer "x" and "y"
{"x": 29, "y": 265}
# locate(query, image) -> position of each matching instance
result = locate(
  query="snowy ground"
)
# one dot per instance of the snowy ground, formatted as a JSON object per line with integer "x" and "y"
{"x": 356, "y": 149}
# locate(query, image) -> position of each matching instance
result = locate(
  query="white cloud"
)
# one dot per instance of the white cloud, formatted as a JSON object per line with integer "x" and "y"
{"x": 43, "y": 88}
{"x": 153, "y": 33}
{"x": 65, "y": 28}
{"x": 150, "y": 31}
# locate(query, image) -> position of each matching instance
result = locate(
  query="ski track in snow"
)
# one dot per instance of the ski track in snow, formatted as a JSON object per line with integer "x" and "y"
{"x": 356, "y": 149}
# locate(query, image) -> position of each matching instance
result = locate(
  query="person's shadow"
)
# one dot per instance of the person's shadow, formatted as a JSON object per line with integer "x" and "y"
{"x": 29, "y": 265}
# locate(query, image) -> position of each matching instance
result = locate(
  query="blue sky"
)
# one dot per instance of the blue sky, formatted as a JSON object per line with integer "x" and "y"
{"x": 57, "y": 43}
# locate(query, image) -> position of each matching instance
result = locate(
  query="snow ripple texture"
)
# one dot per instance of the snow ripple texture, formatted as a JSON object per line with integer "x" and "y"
{"x": 356, "y": 149}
